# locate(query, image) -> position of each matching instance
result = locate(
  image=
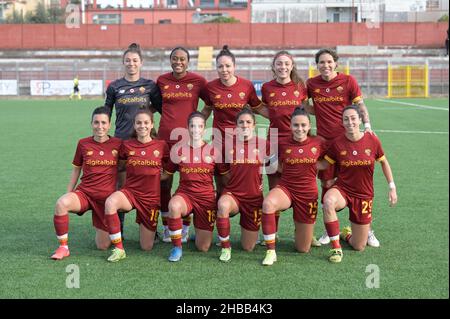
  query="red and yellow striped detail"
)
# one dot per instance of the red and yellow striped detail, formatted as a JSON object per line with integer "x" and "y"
{"x": 382, "y": 158}
{"x": 329, "y": 159}
{"x": 116, "y": 241}
{"x": 357, "y": 99}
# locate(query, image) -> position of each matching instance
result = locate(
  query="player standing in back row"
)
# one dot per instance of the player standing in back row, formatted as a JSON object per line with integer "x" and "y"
{"x": 181, "y": 91}
{"x": 129, "y": 94}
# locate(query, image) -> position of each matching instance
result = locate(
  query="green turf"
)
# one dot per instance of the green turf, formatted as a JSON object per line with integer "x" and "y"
{"x": 38, "y": 139}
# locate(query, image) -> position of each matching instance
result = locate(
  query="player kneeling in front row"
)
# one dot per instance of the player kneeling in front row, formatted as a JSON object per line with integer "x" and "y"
{"x": 97, "y": 157}
{"x": 355, "y": 154}
{"x": 196, "y": 161}
{"x": 243, "y": 192}
{"x": 144, "y": 158}
{"x": 297, "y": 187}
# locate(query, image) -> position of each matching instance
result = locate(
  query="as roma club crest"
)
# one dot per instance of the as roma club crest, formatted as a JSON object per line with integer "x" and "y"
{"x": 272, "y": 94}
{"x": 296, "y": 93}
{"x": 218, "y": 96}
{"x": 142, "y": 90}
{"x": 340, "y": 89}
{"x": 166, "y": 87}
{"x": 317, "y": 91}
{"x": 367, "y": 151}
{"x": 190, "y": 86}
{"x": 114, "y": 153}
{"x": 343, "y": 153}
{"x": 89, "y": 153}
{"x": 131, "y": 153}
{"x": 288, "y": 151}
{"x": 156, "y": 153}
{"x": 208, "y": 159}
{"x": 314, "y": 150}
{"x": 242, "y": 95}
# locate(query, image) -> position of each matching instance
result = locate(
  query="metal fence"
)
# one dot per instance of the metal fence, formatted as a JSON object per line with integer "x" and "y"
{"x": 370, "y": 72}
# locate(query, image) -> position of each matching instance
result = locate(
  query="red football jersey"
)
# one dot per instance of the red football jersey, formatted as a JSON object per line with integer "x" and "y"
{"x": 246, "y": 161}
{"x": 98, "y": 162}
{"x": 330, "y": 99}
{"x": 299, "y": 164}
{"x": 179, "y": 99}
{"x": 196, "y": 167}
{"x": 281, "y": 100}
{"x": 144, "y": 162}
{"x": 356, "y": 161}
{"x": 228, "y": 101}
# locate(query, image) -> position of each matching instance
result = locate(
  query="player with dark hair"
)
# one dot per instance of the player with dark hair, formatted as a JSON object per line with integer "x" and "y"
{"x": 244, "y": 191}
{"x": 97, "y": 157}
{"x": 226, "y": 96}
{"x": 143, "y": 157}
{"x": 196, "y": 162}
{"x": 297, "y": 187}
{"x": 330, "y": 93}
{"x": 280, "y": 97}
{"x": 355, "y": 154}
{"x": 129, "y": 94}
{"x": 181, "y": 90}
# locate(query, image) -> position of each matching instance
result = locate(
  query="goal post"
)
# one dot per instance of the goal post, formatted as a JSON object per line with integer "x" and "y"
{"x": 408, "y": 81}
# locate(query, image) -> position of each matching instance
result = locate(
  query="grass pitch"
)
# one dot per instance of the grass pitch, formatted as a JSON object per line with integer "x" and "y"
{"x": 38, "y": 140}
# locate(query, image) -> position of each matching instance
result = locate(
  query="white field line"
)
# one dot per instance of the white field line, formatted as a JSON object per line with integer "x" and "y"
{"x": 413, "y": 104}
{"x": 381, "y": 131}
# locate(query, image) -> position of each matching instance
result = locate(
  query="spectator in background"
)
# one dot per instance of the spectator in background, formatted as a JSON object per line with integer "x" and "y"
{"x": 76, "y": 89}
{"x": 446, "y": 44}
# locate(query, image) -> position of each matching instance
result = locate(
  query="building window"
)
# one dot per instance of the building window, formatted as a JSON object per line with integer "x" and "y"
{"x": 271, "y": 17}
{"x": 207, "y": 3}
{"x": 106, "y": 19}
{"x": 139, "y": 4}
{"x": 173, "y": 4}
{"x": 139, "y": 21}
{"x": 336, "y": 17}
{"x": 109, "y": 3}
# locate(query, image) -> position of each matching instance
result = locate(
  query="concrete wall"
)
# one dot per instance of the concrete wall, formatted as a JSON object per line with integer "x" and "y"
{"x": 241, "y": 35}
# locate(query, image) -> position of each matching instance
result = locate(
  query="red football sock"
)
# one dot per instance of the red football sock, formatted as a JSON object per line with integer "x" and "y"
{"x": 113, "y": 223}
{"x": 333, "y": 232}
{"x": 175, "y": 228}
{"x": 223, "y": 228}
{"x": 61, "y": 224}
{"x": 277, "y": 218}
{"x": 269, "y": 229}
